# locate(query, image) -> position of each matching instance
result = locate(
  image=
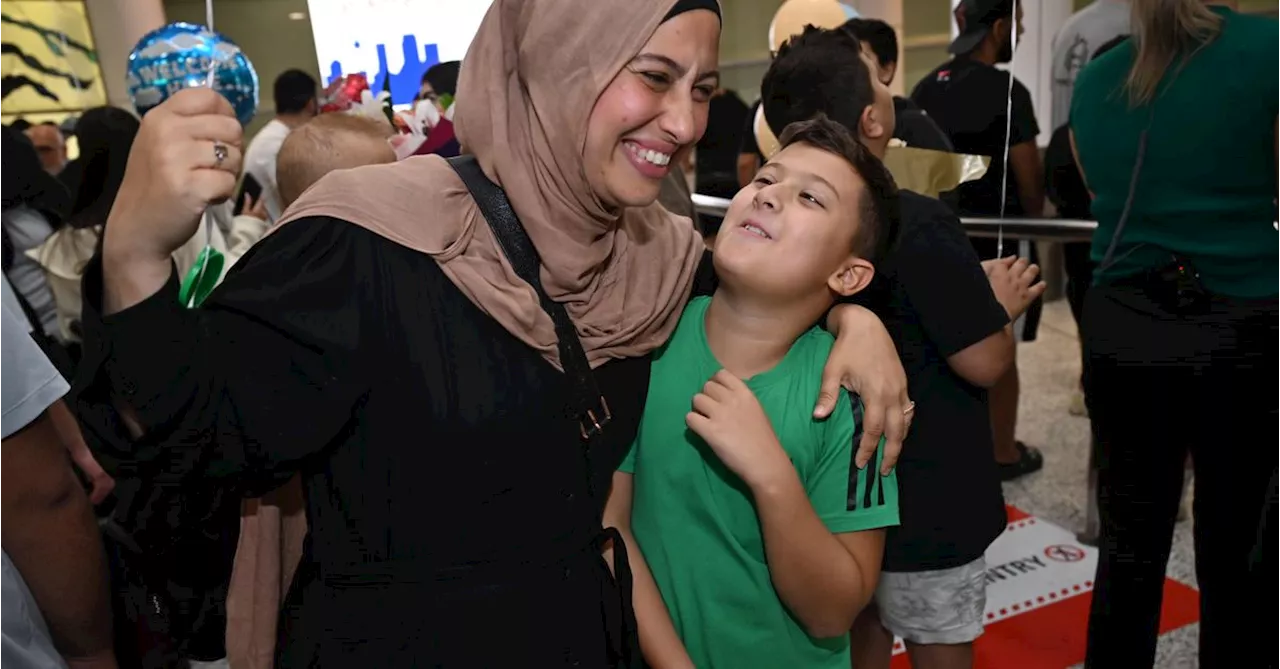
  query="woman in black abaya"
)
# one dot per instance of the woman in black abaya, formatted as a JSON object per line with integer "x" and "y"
{"x": 380, "y": 343}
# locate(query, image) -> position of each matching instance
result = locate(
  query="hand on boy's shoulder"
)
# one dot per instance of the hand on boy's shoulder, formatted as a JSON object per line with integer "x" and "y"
{"x": 727, "y": 415}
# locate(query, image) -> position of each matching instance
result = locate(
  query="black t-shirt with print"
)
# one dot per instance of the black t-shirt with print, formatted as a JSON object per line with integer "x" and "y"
{"x": 936, "y": 301}
{"x": 969, "y": 100}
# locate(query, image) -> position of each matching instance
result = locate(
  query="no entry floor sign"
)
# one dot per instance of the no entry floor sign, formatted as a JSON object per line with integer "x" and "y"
{"x": 1039, "y": 585}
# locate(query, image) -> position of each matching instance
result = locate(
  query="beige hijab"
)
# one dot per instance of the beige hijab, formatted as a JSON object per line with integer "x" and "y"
{"x": 527, "y": 87}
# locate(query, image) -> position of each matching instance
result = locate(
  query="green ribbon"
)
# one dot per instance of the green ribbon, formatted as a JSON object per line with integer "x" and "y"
{"x": 202, "y": 278}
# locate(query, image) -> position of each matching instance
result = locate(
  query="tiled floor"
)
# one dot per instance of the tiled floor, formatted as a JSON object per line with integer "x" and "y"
{"x": 1050, "y": 368}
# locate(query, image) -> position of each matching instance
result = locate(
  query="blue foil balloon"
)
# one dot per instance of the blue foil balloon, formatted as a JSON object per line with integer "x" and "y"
{"x": 180, "y": 55}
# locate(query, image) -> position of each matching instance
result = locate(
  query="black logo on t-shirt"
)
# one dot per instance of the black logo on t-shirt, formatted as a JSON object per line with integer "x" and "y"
{"x": 1073, "y": 61}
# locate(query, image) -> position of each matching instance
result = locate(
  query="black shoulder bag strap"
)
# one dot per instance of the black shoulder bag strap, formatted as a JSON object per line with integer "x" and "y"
{"x": 589, "y": 406}
{"x": 1109, "y": 257}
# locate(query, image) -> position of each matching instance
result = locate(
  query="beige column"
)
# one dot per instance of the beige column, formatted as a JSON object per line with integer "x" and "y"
{"x": 117, "y": 26}
{"x": 889, "y": 11}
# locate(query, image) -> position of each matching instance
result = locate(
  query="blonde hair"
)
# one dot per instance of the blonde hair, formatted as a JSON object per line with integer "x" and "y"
{"x": 1164, "y": 31}
{"x": 329, "y": 142}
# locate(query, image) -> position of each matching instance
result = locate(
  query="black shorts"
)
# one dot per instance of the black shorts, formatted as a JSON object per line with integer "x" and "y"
{"x": 986, "y": 248}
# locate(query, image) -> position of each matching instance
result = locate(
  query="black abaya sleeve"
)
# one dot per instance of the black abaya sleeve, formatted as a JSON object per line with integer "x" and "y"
{"x": 265, "y": 374}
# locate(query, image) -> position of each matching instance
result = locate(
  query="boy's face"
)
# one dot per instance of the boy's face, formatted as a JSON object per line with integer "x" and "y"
{"x": 790, "y": 232}
{"x": 882, "y": 97}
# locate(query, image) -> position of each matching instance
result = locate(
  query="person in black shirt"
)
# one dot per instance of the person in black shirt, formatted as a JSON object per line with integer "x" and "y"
{"x": 913, "y": 126}
{"x": 951, "y": 323}
{"x": 749, "y": 156}
{"x": 717, "y": 151}
{"x": 970, "y": 99}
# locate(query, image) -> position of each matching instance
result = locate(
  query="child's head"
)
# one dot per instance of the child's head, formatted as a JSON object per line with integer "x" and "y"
{"x": 814, "y": 221}
{"x": 881, "y": 41}
{"x": 829, "y": 72}
{"x": 326, "y": 143}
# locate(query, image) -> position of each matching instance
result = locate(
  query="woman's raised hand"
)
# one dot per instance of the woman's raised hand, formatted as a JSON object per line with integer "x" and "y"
{"x": 186, "y": 156}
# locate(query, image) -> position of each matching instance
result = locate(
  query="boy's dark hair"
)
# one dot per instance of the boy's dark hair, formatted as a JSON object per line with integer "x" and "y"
{"x": 818, "y": 71}
{"x": 878, "y": 35}
{"x": 878, "y": 211}
{"x": 292, "y": 91}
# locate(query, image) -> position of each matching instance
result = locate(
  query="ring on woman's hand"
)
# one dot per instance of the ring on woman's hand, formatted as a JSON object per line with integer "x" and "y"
{"x": 219, "y": 154}
{"x": 911, "y": 408}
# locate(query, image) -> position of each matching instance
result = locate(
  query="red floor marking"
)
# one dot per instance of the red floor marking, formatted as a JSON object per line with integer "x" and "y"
{"x": 1015, "y": 514}
{"x": 1052, "y": 636}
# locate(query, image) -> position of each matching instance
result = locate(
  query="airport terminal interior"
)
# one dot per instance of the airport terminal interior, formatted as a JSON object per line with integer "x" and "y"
{"x": 997, "y": 111}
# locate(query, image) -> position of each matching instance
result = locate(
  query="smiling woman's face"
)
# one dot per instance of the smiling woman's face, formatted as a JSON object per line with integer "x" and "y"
{"x": 653, "y": 111}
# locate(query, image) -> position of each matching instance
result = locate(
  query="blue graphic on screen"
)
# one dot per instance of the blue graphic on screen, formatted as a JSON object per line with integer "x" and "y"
{"x": 405, "y": 83}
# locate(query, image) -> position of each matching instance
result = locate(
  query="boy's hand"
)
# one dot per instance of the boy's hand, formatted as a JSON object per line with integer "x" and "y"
{"x": 727, "y": 415}
{"x": 1015, "y": 282}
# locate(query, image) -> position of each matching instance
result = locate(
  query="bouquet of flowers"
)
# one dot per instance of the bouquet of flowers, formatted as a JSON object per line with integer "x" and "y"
{"x": 418, "y": 131}
{"x": 424, "y": 130}
{"x": 343, "y": 93}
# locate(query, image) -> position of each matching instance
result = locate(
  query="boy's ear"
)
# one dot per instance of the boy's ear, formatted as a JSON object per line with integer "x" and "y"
{"x": 872, "y": 126}
{"x": 851, "y": 277}
{"x": 888, "y": 72}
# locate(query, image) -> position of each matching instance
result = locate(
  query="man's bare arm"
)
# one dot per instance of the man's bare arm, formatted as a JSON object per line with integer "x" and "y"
{"x": 50, "y": 534}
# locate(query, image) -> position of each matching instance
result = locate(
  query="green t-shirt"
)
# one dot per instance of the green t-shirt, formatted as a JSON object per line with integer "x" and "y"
{"x": 1207, "y": 185}
{"x": 696, "y": 522}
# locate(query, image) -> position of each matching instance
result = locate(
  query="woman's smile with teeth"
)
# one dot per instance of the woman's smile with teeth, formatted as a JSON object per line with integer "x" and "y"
{"x": 756, "y": 230}
{"x": 649, "y": 155}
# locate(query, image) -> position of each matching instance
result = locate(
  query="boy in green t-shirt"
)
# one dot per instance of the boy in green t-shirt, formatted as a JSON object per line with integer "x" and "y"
{"x": 753, "y": 538}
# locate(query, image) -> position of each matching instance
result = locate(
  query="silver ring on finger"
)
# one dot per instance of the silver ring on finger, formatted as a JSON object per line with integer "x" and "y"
{"x": 911, "y": 408}
{"x": 220, "y": 154}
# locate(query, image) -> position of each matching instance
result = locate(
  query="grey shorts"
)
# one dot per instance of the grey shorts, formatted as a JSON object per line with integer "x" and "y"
{"x": 934, "y": 607}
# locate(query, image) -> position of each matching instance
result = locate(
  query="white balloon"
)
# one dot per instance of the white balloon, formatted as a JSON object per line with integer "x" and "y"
{"x": 794, "y": 15}
{"x": 765, "y": 139}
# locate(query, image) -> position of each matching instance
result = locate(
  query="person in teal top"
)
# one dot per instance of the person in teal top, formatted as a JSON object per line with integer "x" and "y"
{"x": 1207, "y": 187}
{"x": 753, "y": 537}
{"x": 1175, "y": 136}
